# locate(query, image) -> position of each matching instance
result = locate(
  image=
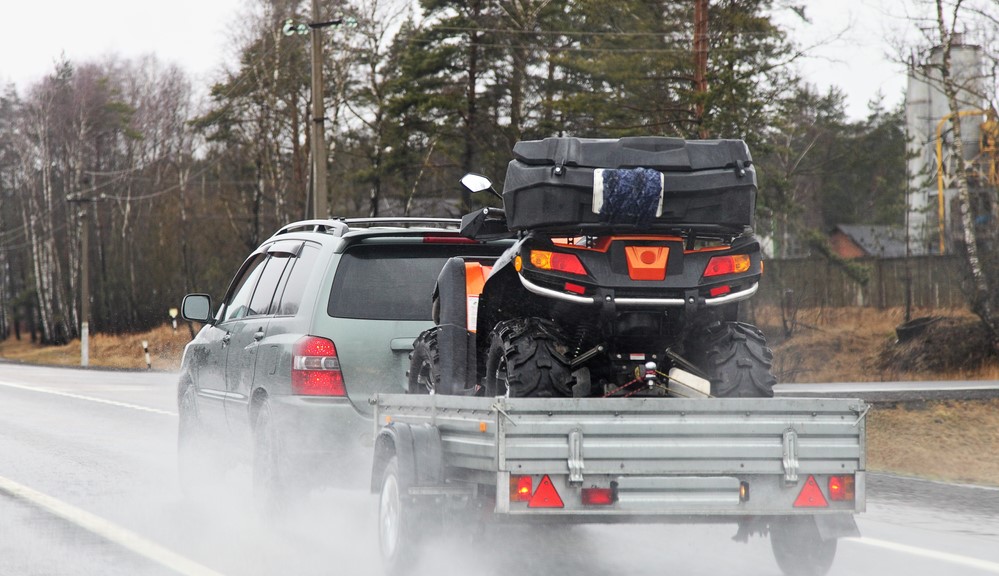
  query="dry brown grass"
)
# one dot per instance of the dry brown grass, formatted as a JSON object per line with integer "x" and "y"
{"x": 107, "y": 351}
{"x": 948, "y": 440}
{"x": 856, "y": 345}
{"x": 953, "y": 441}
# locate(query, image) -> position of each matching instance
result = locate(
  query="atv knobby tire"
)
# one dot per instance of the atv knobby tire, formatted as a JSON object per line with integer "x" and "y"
{"x": 424, "y": 364}
{"x": 735, "y": 358}
{"x": 527, "y": 358}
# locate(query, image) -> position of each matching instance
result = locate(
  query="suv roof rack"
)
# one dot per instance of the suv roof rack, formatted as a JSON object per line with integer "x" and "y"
{"x": 340, "y": 226}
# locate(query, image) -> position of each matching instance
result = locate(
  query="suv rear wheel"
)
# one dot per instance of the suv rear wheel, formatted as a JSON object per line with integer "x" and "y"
{"x": 268, "y": 481}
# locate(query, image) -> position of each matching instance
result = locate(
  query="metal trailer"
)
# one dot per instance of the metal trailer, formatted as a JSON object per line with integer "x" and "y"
{"x": 790, "y": 467}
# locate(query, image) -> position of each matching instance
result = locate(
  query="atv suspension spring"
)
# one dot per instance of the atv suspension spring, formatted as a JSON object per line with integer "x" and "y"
{"x": 580, "y": 337}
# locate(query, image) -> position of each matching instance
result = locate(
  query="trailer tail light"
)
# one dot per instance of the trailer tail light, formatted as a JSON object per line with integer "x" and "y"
{"x": 598, "y": 496}
{"x": 315, "y": 368}
{"x": 557, "y": 261}
{"x": 732, "y": 264}
{"x": 521, "y": 488}
{"x": 743, "y": 491}
{"x": 811, "y": 495}
{"x": 546, "y": 496}
{"x": 842, "y": 488}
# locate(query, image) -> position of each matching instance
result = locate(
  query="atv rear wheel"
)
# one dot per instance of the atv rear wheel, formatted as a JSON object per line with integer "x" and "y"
{"x": 735, "y": 358}
{"x": 527, "y": 358}
{"x": 424, "y": 365}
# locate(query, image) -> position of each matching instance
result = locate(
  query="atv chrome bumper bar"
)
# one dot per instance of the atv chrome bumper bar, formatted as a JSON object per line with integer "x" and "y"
{"x": 718, "y": 301}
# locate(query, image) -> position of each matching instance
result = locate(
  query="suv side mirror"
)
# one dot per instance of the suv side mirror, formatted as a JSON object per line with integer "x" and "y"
{"x": 197, "y": 308}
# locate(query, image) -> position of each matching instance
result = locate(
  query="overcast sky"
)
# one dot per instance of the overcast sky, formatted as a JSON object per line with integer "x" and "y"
{"x": 193, "y": 34}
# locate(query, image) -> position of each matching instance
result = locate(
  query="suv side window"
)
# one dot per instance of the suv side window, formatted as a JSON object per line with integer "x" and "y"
{"x": 288, "y": 297}
{"x": 269, "y": 279}
{"x": 238, "y": 304}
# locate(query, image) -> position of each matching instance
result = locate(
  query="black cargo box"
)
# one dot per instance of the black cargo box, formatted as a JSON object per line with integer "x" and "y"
{"x": 706, "y": 184}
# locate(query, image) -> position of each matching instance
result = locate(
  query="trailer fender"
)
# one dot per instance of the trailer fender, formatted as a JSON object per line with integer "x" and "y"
{"x": 418, "y": 450}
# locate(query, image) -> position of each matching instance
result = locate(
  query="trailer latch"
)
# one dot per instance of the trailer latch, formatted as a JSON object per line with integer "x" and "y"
{"x": 790, "y": 456}
{"x": 576, "y": 457}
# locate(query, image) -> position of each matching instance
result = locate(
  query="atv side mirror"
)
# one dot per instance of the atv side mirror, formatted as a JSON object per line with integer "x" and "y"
{"x": 475, "y": 182}
{"x": 478, "y": 183}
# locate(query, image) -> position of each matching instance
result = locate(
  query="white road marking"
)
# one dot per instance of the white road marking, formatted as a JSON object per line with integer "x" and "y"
{"x": 107, "y": 530}
{"x": 985, "y": 565}
{"x": 88, "y": 398}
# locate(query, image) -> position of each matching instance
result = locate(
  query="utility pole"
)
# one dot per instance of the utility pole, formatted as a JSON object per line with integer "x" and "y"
{"x": 700, "y": 63}
{"x": 319, "y": 209}
{"x": 85, "y": 289}
{"x": 319, "y": 205}
{"x": 84, "y": 275}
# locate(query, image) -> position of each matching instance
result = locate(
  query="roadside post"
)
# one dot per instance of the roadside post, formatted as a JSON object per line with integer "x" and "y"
{"x": 145, "y": 348}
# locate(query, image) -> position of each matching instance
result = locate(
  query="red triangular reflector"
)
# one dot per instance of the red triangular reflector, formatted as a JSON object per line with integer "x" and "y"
{"x": 811, "y": 495}
{"x": 545, "y": 496}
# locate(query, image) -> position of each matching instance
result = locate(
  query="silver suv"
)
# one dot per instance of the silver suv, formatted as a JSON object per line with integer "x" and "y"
{"x": 317, "y": 320}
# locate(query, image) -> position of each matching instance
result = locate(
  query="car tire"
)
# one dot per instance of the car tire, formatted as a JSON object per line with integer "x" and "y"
{"x": 735, "y": 358}
{"x": 526, "y": 359}
{"x": 269, "y": 488}
{"x": 197, "y": 465}
{"x": 799, "y": 548}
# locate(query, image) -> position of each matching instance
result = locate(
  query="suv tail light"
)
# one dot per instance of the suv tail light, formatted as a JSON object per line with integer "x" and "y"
{"x": 315, "y": 369}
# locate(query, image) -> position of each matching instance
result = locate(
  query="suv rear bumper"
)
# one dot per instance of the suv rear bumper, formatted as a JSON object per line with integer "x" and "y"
{"x": 325, "y": 441}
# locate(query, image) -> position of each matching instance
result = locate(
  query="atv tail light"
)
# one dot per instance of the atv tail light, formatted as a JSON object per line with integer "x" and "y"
{"x": 558, "y": 261}
{"x": 722, "y": 265}
{"x": 315, "y": 368}
{"x": 521, "y": 488}
{"x": 598, "y": 496}
{"x": 842, "y": 488}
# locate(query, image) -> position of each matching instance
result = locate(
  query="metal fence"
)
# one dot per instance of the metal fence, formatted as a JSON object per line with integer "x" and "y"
{"x": 817, "y": 282}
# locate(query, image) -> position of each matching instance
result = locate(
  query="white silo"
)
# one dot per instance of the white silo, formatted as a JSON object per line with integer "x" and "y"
{"x": 927, "y": 116}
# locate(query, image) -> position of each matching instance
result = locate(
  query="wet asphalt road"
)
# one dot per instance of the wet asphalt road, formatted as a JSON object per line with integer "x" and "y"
{"x": 98, "y": 448}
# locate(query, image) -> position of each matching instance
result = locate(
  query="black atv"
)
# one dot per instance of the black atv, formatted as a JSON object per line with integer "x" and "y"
{"x": 629, "y": 262}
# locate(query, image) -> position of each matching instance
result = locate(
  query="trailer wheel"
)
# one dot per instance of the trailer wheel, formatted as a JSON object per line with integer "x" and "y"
{"x": 527, "y": 358}
{"x": 424, "y": 364}
{"x": 398, "y": 528}
{"x": 736, "y": 360}
{"x": 799, "y": 549}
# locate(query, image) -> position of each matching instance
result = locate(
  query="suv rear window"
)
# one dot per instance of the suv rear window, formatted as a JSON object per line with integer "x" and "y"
{"x": 394, "y": 282}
